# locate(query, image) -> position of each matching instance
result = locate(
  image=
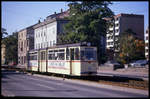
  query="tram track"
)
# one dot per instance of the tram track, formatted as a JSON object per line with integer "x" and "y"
{"x": 136, "y": 83}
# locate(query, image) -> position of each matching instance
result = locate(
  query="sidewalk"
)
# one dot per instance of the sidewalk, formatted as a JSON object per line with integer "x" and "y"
{"x": 123, "y": 71}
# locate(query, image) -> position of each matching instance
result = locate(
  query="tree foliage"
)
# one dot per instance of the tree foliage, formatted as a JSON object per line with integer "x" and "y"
{"x": 86, "y": 23}
{"x": 11, "y": 43}
{"x": 3, "y": 32}
{"x": 131, "y": 48}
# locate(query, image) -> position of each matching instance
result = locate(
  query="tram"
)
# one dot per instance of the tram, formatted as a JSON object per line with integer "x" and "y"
{"x": 70, "y": 59}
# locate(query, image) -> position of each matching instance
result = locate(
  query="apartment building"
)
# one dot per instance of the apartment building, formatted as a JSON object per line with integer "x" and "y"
{"x": 47, "y": 31}
{"x": 25, "y": 43}
{"x": 147, "y": 44}
{"x": 119, "y": 24}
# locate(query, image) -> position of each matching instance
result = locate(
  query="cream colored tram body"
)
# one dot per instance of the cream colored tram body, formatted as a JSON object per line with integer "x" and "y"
{"x": 70, "y": 59}
{"x": 33, "y": 60}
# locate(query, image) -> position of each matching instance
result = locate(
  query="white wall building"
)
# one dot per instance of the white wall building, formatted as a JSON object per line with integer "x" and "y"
{"x": 46, "y": 32}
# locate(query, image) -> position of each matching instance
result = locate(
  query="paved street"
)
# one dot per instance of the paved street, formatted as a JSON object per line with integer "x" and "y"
{"x": 19, "y": 84}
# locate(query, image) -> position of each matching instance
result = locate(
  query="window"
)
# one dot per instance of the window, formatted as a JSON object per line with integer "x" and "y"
{"x": 61, "y": 55}
{"x": 72, "y": 54}
{"x": 33, "y": 56}
{"x": 53, "y": 31}
{"x": 77, "y": 54}
{"x": 39, "y": 34}
{"x": 56, "y": 54}
{"x": 117, "y": 30}
{"x": 147, "y": 50}
{"x": 18, "y": 59}
{"x": 54, "y": 42}
{"x": 51, "y": 55}
{"x": 117, "y": 25}
{"x": 90, "y": 54}
{"x": 27, "y": 42}
{"x": 107, "y": 43}
{"x": 50, "y": 43}
{"x": 82, "y": 55}
{"x": 67, "y": 53}
{"x": 24, "y": 59}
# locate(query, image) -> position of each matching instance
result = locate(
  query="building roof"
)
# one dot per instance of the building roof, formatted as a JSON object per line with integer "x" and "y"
{"x": 49, "y": 21}
{"x": 124, "y": 15}
{"x": 65, "y": 45}
{"x": 128, "y": 15}
{"x": 27, "y": 27}
{"x": 59, "y": 15}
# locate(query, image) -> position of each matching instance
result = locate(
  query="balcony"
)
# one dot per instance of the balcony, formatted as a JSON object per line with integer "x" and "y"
{"x": 117, "y": 33}
{"x": 111, "y": 28}
{"x": 146, "y": 47}
{"x": 146, "y": 41}
{"x": 117, "y": 21}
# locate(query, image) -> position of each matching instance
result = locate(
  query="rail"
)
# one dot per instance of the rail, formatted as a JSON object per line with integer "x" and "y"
{"x": 111, "y": 80}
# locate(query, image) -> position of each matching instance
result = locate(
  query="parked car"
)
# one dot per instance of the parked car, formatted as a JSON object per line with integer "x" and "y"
{"x": 112, "y": 63}
{"x": 115, "y": 65}
{"x": 139, "y": 63}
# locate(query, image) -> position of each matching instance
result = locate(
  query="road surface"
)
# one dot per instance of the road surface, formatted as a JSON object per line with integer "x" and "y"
{"x": 19, "y": 84}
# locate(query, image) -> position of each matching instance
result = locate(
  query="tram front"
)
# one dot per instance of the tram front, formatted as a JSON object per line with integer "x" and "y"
{"x": 89, "y": 62}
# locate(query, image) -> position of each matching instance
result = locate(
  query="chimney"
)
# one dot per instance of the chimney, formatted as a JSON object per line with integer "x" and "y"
{"x": 39, "y": 21}
{"x": 54, "y": 12}
{"x": 61, "y": 10}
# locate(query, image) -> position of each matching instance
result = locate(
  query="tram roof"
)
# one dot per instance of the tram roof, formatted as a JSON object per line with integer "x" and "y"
{"x": 64, "y": 45}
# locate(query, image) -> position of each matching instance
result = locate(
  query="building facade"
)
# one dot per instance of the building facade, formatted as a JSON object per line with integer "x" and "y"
{"x": 47, "y": 31}
{"x": 147, "y": 44}
{"x": 25, "y": 43}
{"x": 119, "y": 24}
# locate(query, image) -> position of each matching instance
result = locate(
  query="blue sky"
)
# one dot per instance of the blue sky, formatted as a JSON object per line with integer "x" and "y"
{"x": 18, "y": 15}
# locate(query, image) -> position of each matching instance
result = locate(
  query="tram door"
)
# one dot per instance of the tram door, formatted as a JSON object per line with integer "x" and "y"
{"x": 71, "y": 61}
{"x": 42, "y": 61}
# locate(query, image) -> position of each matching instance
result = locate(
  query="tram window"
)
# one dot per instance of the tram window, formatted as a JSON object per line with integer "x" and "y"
{"x": 90, "y": 54}
{"x": 72, "y": 54}
{"x": 62, "y": 50}
{"x": 50, "y": 56}
{"x": 33, "y": 57}
{"x": 50, "y": 51}
{"x": 82, "y": 55}
{"x": 55, "y": 50}
{"x": 67, "y": 54}
{"x": 61, "y": 56}
{"x": 30, "y": 57}
{"x": 77, "y": 53}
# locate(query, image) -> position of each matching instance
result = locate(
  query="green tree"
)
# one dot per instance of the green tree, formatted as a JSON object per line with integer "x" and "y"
{"x": 11, "y": 42}
{"x": 4, "y": 33}
{"x": 131, "y": 48}
{"x": 86, "y": 23}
